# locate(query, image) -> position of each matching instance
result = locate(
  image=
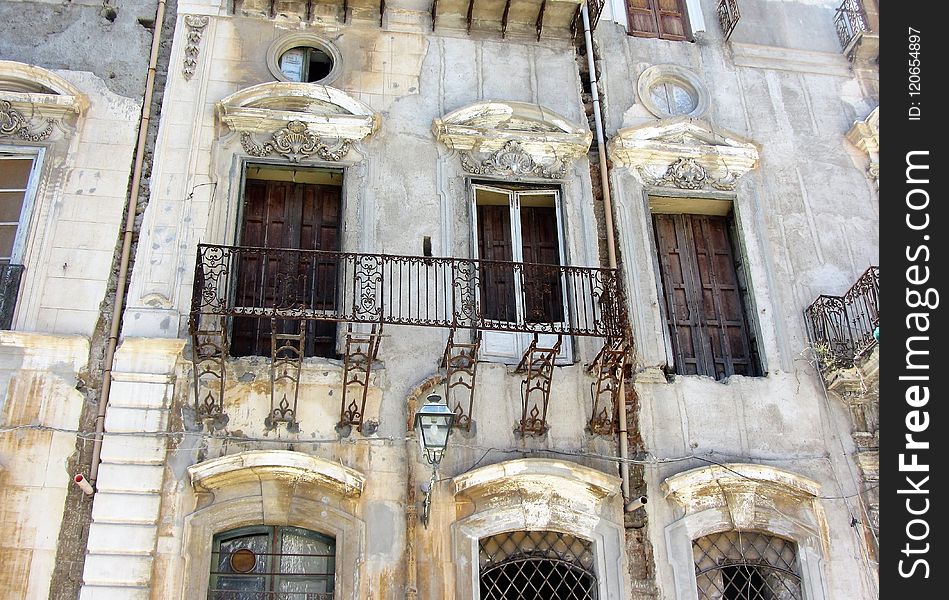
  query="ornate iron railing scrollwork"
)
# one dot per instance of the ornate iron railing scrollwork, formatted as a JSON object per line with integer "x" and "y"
{"x": 10, "y": 276}
{"x": 850, "y": 21}
{"x": 843, "y": 328}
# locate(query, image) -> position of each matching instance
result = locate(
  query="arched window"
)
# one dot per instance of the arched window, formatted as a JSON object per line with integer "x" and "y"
{"x": 746, "y": 565}
{"x": 537, "y": 565}
{"x": 272, "y": 563}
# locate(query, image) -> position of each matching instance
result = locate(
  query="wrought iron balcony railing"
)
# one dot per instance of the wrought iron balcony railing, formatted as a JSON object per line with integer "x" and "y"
{"x": 406, "y": 290}
{"x": 844, "y": 328}
{"x": 9, "y": 288}
{"x": 850, "y": 21}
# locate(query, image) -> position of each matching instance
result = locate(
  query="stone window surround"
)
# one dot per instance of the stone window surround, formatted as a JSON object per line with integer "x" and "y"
{"x": 717, "y": 498}
{"x": 541, "y": 495}
{"x": 303, "y": 39}
{"x": 289, "y": 488}
{"x": 41, "y": 114}
{"x": 696, "y": 164}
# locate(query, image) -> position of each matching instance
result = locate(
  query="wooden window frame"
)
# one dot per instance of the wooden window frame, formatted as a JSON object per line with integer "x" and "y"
{"x": 656, "y": 14}
{"x": 707, "y": 359}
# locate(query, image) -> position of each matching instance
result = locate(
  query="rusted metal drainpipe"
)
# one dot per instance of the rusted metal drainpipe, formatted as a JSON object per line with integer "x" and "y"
{"x": 610, "y": 239}
{"x": 120, "y": 292}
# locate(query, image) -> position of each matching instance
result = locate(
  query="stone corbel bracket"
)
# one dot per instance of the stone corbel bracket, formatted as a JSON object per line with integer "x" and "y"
{"x": 683, "y": 153}
{"x": 262, "y": 465}
{"x": 513, "y": 139}
{"x": 865, "y": 135}
{"x": 299, "y": 121}
{"x": 34, "y": 102}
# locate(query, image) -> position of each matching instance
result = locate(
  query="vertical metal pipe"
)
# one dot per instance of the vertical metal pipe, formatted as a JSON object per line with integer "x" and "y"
{"x": 120, "y": 291}
{"x": 610, "y": 238}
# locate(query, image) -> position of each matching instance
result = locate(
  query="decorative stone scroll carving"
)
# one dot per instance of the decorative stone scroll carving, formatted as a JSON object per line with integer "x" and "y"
{"x": 34, "y": 102}
{"x": 688, "y": 174}
{"x": 296, "y": 142}
{"x": 196, "y": 25}
{"x": 511, "y": 160}
{"x": 684, "y": 153}
{"x": 865, "y": 135}
{"x": 302, "y": 120}
{"x": 513, "y": 139}
{"x": 14, "y": 124}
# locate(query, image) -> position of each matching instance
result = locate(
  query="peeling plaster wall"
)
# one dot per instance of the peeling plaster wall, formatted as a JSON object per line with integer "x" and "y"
{"x": 808, "y": 221}
{"x": 38, "y": 382}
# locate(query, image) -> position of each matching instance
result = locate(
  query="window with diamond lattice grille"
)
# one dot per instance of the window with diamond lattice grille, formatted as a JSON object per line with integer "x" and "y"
{"x": 746, "y": 565}
{"x": 536, "y": 565}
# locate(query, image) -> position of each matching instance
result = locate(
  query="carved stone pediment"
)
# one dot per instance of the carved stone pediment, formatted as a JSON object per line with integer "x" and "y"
{"x": 34, "y": 102}
{"x": 297, "y": 120}
{"x": 683, "y": 153}
{"x": 513, "y": 139}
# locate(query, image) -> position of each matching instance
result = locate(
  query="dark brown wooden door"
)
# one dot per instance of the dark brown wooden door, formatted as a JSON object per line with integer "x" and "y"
{"x": 497, "y": 280}
{"x": 284, "y": 215}
{"x": 665, "y": 19}
{"x": 704, "y": 306}
{"x": 543, "y": 292}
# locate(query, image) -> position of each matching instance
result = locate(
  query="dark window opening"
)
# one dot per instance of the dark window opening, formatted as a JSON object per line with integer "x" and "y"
{"x": 306, "y": 64}
{"x": 663, "y": 19}
{"x": 704, "y": 297}
{"x": 286, "y": 211}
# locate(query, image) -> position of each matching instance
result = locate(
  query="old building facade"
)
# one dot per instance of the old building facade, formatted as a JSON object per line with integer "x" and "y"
{"x": 249, "y": 241}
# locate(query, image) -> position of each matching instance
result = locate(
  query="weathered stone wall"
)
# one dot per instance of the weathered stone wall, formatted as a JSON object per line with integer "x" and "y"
{"x": 807, "y": 219}
{"x": 40, "y": 412}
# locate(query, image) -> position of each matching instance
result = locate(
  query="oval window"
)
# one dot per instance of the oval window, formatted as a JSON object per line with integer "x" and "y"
{"x": 306, "y": 64}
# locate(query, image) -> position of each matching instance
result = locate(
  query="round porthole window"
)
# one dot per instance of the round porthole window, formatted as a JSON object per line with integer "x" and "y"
{"x": 671, "y": 91}
{"x": 303, "y": 58}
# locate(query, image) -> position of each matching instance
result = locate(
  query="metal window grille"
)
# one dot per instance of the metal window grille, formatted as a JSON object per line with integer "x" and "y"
{"x": 746, "y": 565}
{"x": 272, "y": 563}
{"x": 9, "y": 288}
{"x": 537, "y": 565}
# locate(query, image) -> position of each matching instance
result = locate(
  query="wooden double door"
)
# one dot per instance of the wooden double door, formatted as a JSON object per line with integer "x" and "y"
{"x": 277, "y": 218}
{"x": 705, "y": 308}
{"x": 518, "y": 241}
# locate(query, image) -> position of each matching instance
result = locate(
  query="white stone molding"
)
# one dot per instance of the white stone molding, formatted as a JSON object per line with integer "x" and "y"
{"x": 268, "y": 491}
{"x": 277, "y": 465}
{"x": 744, "y": 497}
{"x": 302, "y": 120}
{"x": 513, "y": 139}
{"x": 540, "y": 495}
{"x": 33, "y": 101}
{"x": 683, "y": 153}
{"x": 865, "y": 135}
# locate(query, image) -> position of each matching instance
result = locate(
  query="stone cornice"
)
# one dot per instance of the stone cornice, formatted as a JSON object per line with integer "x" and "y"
{"x": 262, "y": 465}
{"x": 695, "y": 489}
{"x": 683, "y": 153}
{"x": 512, "y": 139}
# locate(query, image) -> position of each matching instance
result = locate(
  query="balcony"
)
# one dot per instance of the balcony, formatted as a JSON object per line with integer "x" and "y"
{"x": 259, "y": 301}
{"x": 843, "y": 329}
{"x": 9, "y": 288}
{"x": 857, "y": 25}
{"x": 422, "y": 291}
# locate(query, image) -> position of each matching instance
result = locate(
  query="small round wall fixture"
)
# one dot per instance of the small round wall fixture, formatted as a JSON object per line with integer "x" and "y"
{"x": 672, "y": 91}
{"x": 303, "y": 57}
